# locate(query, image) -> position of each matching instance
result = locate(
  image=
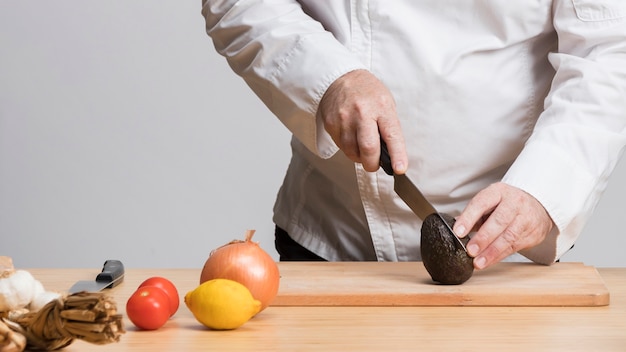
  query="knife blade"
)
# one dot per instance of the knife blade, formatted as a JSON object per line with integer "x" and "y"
{"x": 112, "y": 274}
{"x": 410, "y": 194}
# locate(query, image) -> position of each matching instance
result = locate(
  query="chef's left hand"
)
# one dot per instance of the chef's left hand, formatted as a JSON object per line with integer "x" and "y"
{"x": 506, "y": 220}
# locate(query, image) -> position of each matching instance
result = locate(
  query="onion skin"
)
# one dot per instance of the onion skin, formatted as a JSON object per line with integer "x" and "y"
{"x": 247, "y": 263}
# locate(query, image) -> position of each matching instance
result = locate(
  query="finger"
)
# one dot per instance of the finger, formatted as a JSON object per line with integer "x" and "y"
{"x": 478, "y": 207}
{"x": 495, "y": 238}
{"x": 503, "y": 246}
{"x": 391, "y": 132}
{"x": 368, "y": 145}
{"x": 347, "y": 141}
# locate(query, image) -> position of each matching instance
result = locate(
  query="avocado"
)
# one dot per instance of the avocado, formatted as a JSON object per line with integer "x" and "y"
{"x": 443, "y": 257}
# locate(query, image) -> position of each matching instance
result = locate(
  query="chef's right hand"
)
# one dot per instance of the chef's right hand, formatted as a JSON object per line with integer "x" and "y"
{"x": 357, "y": 110}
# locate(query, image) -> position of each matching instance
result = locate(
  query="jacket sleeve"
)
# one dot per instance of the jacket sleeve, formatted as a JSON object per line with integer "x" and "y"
{"x": 581, "y": 133}
{"x": 287, "y": 58}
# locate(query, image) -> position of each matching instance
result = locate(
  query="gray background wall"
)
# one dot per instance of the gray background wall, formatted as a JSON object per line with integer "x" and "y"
{"x": 124, "y": 135}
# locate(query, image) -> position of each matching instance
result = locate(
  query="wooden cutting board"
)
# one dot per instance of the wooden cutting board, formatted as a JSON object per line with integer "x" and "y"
{"x": 408, "y": 284}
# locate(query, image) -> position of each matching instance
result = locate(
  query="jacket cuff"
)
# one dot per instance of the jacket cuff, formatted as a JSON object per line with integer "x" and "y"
{"x": 299, "y": 83}
{"x": 562, "y": 187}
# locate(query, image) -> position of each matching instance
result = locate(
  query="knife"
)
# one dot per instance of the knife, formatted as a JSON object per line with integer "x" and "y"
{"x": 112, "y": 274}
{"x": 410, "y": 194}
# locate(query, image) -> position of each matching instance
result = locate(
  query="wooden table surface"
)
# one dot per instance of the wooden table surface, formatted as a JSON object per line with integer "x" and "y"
{"x": 339, "y": 328}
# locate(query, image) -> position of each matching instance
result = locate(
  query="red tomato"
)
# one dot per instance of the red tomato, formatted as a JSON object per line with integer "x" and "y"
{"x": 169, "y": 288}
{"x": 148, "y": 308}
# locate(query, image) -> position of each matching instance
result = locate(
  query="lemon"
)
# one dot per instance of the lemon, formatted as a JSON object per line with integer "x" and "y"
{"x": 222, "y": 304}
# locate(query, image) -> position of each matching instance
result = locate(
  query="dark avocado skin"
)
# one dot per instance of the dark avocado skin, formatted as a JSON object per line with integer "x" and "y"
{"x": 444, "y": 259}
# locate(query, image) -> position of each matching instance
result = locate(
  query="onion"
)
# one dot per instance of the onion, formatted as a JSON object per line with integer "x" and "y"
{"x": 247, "y": 263}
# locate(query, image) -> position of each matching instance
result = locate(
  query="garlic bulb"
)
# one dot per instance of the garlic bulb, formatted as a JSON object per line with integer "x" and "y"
{"x": 42, "y": 299}
{"x": 18, "y": 290}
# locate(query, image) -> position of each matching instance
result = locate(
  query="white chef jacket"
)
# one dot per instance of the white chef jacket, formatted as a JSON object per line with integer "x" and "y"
{"x": 528, "y": 92}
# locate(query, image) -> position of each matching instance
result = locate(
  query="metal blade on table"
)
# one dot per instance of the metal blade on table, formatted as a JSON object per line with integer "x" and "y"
{"x": 112, "y": 274}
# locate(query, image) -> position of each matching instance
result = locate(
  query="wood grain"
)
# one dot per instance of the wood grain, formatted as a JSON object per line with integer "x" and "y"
{"x": 408, "y": 284}
{"x": 368, "y": 328}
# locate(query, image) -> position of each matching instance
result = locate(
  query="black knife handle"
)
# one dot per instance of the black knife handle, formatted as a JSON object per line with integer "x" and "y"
{"x": 112, "y": 271}
{"x": 385, "y": 160}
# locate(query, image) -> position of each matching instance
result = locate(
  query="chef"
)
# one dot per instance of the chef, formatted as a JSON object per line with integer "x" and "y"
{"x": 509, "y": 115}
